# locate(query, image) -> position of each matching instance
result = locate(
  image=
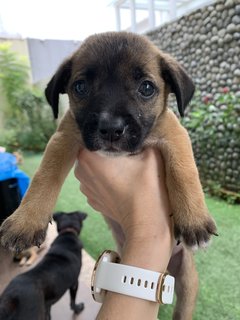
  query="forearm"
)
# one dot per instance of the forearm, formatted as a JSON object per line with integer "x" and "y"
{"x": 153, "y": 254}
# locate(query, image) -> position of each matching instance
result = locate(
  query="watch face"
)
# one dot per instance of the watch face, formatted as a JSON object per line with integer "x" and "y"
{"x": 107, "y": 256}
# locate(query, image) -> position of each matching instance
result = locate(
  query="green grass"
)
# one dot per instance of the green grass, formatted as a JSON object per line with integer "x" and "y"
{"x": 218, "y": 267}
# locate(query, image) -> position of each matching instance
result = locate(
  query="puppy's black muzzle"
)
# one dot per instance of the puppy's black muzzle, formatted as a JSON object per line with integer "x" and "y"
{"x": 113, "y": 132}
{"x": 111, "y": 129}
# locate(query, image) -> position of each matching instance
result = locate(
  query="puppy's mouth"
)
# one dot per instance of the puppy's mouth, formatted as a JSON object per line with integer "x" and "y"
{"x": 113, "y": 151}
{"x": 110, "y": 153}
{"x": 110, "y": 149}
{"x": 122, "y": 147}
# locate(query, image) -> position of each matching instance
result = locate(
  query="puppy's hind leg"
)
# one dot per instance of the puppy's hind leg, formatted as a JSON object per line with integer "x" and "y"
{"x": 182, "y": 266}
{"x": 77, "y": 308}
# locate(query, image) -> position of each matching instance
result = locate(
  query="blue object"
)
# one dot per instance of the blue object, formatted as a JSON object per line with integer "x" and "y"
{"x": 9, "y": 169}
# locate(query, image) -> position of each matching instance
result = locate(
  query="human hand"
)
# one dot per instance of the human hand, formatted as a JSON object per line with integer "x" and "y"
{"x": 128, "y": 189}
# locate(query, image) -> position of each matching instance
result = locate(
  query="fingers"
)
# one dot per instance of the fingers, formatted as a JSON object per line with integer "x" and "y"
{"x": 81, "y": 171}
{"x": 77, "y": 170}
{"x": 86, "y": 190}
{"x": 91, "y": 198}
{"x": 95, "y": 204}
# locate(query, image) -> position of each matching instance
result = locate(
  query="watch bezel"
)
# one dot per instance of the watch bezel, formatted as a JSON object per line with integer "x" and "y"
{"x": 108, "y": 256}
{"x": 160, "y": 288}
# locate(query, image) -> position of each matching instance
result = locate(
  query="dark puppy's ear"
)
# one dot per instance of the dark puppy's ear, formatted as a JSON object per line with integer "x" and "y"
{"x": 58, "y": 85}
{"x": 82, "y": 215}
{"x": 178, "y": 80}
{"x": 56, "y": 215}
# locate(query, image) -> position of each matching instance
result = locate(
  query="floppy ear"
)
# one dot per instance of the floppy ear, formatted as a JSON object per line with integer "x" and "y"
{"x": 58, "y": 85}
{"x": 178, "y": 81}
{"x": 56, "y": 215}
{"x": 82, "y": 215}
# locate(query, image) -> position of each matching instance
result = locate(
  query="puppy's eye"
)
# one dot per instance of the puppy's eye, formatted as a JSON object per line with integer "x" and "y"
{"x": 147, "y": 89}
{"x": 81, "y": 88}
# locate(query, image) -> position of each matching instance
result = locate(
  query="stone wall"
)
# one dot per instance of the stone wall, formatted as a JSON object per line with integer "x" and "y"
{"x": 207, "y": 43}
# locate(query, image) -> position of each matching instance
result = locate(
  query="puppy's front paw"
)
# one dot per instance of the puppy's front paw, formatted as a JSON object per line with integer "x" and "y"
{"x": 195, "y": 234}
{"x": 19, "y": 232}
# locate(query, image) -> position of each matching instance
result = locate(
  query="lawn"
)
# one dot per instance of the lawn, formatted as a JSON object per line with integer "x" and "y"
{"x": 218, "y": 267}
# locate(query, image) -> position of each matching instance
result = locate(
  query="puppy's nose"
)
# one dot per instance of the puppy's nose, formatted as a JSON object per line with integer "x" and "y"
{"x": 111, "y": 129}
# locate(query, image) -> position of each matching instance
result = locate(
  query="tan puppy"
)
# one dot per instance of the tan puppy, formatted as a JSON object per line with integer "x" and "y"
{"x": 118, "y": 85}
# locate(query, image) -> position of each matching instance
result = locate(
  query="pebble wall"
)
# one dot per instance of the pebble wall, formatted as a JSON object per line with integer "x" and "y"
{"x": 207, "y": 43}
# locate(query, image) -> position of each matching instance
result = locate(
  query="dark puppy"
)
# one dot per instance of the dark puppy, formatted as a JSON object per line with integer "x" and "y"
{"x": 30, "y": 295}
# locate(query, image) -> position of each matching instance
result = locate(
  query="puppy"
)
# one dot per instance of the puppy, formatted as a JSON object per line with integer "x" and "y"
{"x": 118, "y": 86}
{"x": 30, "y": 295}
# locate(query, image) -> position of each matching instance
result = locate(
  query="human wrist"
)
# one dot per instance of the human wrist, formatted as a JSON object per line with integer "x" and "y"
{"x": 146, "y": 219}
{"x": 151, "y": 252}
{"x": 149, "y": 234}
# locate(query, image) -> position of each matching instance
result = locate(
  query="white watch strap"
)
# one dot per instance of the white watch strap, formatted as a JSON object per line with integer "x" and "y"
{"x": 134, "y": 281}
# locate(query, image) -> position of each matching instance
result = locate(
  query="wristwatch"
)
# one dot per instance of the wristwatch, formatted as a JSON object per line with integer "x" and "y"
{"x": 110, "y": 275}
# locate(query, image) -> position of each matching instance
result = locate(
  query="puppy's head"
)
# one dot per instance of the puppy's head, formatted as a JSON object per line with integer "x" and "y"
{"x": 118, "y": 84}
{"x": 71, "y": 220}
